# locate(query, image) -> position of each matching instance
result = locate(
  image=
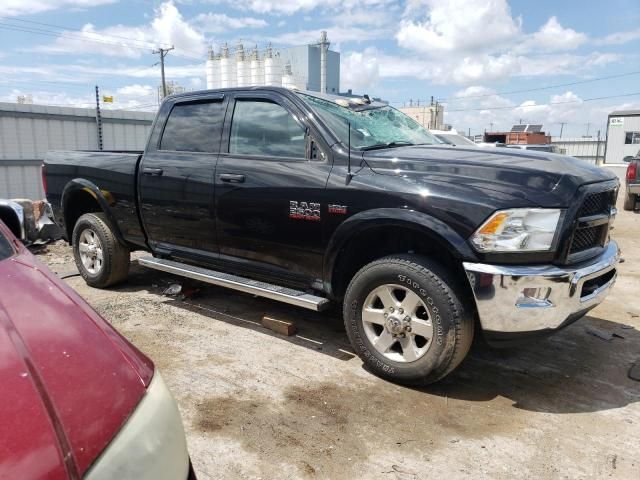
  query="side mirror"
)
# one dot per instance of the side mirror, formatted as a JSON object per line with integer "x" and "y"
{"x": 628, "y": 159}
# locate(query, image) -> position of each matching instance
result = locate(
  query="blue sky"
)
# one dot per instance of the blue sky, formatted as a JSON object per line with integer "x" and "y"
{"x": 469, "y": 54}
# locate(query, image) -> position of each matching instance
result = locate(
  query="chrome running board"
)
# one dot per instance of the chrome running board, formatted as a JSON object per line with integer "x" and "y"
{"x": 255, "y": 287}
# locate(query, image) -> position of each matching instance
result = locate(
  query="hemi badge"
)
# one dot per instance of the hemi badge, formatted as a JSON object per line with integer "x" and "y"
{"x": 338, "y": 209}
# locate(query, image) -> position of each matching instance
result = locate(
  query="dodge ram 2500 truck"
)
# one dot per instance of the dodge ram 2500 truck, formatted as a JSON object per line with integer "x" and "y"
{"x": 308, "y": 199}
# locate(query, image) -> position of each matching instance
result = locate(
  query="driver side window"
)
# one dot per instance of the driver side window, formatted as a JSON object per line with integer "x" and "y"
{"x": 266, "y": 129}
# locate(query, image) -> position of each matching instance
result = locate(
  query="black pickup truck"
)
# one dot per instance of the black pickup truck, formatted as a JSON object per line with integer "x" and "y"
{"x": 311, "y": 199}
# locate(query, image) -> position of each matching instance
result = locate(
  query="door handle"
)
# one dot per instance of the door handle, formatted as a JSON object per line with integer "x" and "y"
{"x": 232, "y": 178}
{"x": 156, "y": 172}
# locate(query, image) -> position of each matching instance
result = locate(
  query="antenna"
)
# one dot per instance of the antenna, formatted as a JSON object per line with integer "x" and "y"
{"x": 349, "y": 174}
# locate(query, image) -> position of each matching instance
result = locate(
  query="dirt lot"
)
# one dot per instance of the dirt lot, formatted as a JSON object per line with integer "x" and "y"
{"x": 259, "y": 405}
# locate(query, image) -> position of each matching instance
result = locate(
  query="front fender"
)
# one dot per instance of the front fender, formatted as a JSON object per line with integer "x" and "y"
{"x": 103, "y": 198}
{"x": 422, "y": 223}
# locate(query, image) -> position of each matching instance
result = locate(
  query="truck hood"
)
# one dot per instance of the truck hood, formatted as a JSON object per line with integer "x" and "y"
{"x": 545, "y": 179}
{"x": 69, "y": 381}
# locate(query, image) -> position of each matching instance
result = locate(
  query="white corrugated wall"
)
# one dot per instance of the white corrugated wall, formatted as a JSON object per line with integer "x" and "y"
{"x": 27, "y": 132}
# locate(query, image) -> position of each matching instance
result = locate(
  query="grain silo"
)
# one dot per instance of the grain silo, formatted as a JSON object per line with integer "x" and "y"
{"x": 272, "y": 69}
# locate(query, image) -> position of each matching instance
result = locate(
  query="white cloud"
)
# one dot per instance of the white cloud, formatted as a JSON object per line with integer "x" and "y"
{"x": 474, "y": 69}
{"x": 620, "y": 38}
{"x": 336, "y": 34}
{"x": 460, "y": 26}
{"x": 359, "y": 71}
{"x": 168, "y": 27}
{"x": 486, "y": 44}
{"x": 553, "y": 37}
{"x": 289, "y": 7}
{"x": 10, "y": 8}
{"x": 219, "y": 22}
{"x": 136, "y": 90}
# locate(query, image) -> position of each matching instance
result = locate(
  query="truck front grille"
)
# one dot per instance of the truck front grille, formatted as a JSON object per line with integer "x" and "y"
{"x": 597, "y": 203}
{"x": 586, "y": 238}
{"x": 592, "y": 226}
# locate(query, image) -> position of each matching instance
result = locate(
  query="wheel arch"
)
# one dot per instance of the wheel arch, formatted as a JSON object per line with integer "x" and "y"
{"x": 12, "y": 214}
{"x": 81, "y": 196}
{"x": 373, "y": 234}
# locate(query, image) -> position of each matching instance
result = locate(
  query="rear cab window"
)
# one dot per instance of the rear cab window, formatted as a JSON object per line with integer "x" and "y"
{"x": 194, "y": 127}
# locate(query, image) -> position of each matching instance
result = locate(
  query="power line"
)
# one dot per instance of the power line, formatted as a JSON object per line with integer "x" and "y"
{"x": 85, "y": 38}
{"x": 71, "y": 30}
{"x": 545, "y": 104}
{"x": 513, "y": 92}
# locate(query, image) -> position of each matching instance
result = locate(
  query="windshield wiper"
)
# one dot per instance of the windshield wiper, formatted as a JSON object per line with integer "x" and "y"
{"x": 379, "y": 146}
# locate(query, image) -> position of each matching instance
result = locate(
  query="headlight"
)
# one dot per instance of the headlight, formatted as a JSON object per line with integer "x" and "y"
{"x": 518, "y": 230}
{"x": 151, "y": 444}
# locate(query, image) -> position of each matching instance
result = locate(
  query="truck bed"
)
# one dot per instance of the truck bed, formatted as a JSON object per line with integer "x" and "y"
{"x": 111, "y": 173}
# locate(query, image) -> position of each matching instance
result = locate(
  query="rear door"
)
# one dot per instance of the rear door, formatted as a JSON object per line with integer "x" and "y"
{"x": 270, "y": 186}
{"x": 176, "y": 185}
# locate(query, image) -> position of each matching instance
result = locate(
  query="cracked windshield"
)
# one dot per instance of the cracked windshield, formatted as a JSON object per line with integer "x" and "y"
{"x": 372, "y": 127}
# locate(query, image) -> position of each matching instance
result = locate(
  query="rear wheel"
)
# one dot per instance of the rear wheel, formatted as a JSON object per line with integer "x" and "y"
{"x": 405, "y": 320}
{"x": 101, "y": 259}
{"x": 630, "y": 201}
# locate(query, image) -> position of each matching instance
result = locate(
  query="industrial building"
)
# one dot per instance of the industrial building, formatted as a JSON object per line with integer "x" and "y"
{"x": 623, "y": 135}
{"x": 306, "y": 67}
{"x": 522, "y": 134}
{"x": 27, "y": 132}
{"x": 430, "y": 116}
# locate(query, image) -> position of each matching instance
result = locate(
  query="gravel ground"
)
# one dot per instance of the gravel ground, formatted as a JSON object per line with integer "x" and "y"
{"x": 257, "y": 405}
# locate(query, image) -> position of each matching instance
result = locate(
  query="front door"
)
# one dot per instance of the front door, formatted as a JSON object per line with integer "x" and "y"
{"x": 269, "y": 189}
{"x": 176, "y": 179}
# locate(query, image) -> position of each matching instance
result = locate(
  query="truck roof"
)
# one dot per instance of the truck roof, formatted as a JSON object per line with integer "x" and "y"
{"x": 352, "y": 101}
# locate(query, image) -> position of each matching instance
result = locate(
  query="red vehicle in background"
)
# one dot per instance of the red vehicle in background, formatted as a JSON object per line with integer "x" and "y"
{"x": 78, "y": 400}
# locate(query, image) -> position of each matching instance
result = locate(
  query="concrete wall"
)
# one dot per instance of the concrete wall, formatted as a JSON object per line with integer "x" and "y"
{"x": 27, "y": 132}
{"x": 616, "y": 130}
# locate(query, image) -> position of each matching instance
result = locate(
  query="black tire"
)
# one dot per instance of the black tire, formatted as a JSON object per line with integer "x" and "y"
{"x": 115, "y": 256}
{"x": 630, "y": 201}
{"x": 440, "y": 291}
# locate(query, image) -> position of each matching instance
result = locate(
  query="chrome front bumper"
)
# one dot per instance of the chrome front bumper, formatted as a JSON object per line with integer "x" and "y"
{"x": 526, "y": 299}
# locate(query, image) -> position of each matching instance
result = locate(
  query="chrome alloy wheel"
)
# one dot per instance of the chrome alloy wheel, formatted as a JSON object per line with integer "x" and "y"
{"x": 397, "y": 322}
{"x": 90, "y": 250}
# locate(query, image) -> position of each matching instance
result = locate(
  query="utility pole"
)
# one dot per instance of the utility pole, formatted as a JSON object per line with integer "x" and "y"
{"x": 491, "y": 126}
{"x": 588, "y": 125}
{"x": 163, "y": 53}
{"x": 562, "y": 124}
{"x": 98, "y": 119}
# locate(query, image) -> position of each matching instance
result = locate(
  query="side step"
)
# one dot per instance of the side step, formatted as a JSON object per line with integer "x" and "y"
{"x": 255, "y": 287}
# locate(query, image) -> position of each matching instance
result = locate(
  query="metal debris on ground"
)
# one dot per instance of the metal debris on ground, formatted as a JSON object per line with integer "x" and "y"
{"x": 173, "y": 289}
{"x": 72, "y": 273}
{"x": 601, "y": 334}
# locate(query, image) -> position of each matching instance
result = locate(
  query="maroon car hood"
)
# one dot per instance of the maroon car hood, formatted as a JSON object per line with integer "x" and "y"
{"x": 69, "y": 381}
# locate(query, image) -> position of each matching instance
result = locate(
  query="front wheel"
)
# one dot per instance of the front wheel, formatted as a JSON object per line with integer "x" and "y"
{"x": 405, "y": 319}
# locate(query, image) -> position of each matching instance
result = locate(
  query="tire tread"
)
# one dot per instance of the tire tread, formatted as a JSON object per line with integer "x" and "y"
{"x": 445, "y": 280}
